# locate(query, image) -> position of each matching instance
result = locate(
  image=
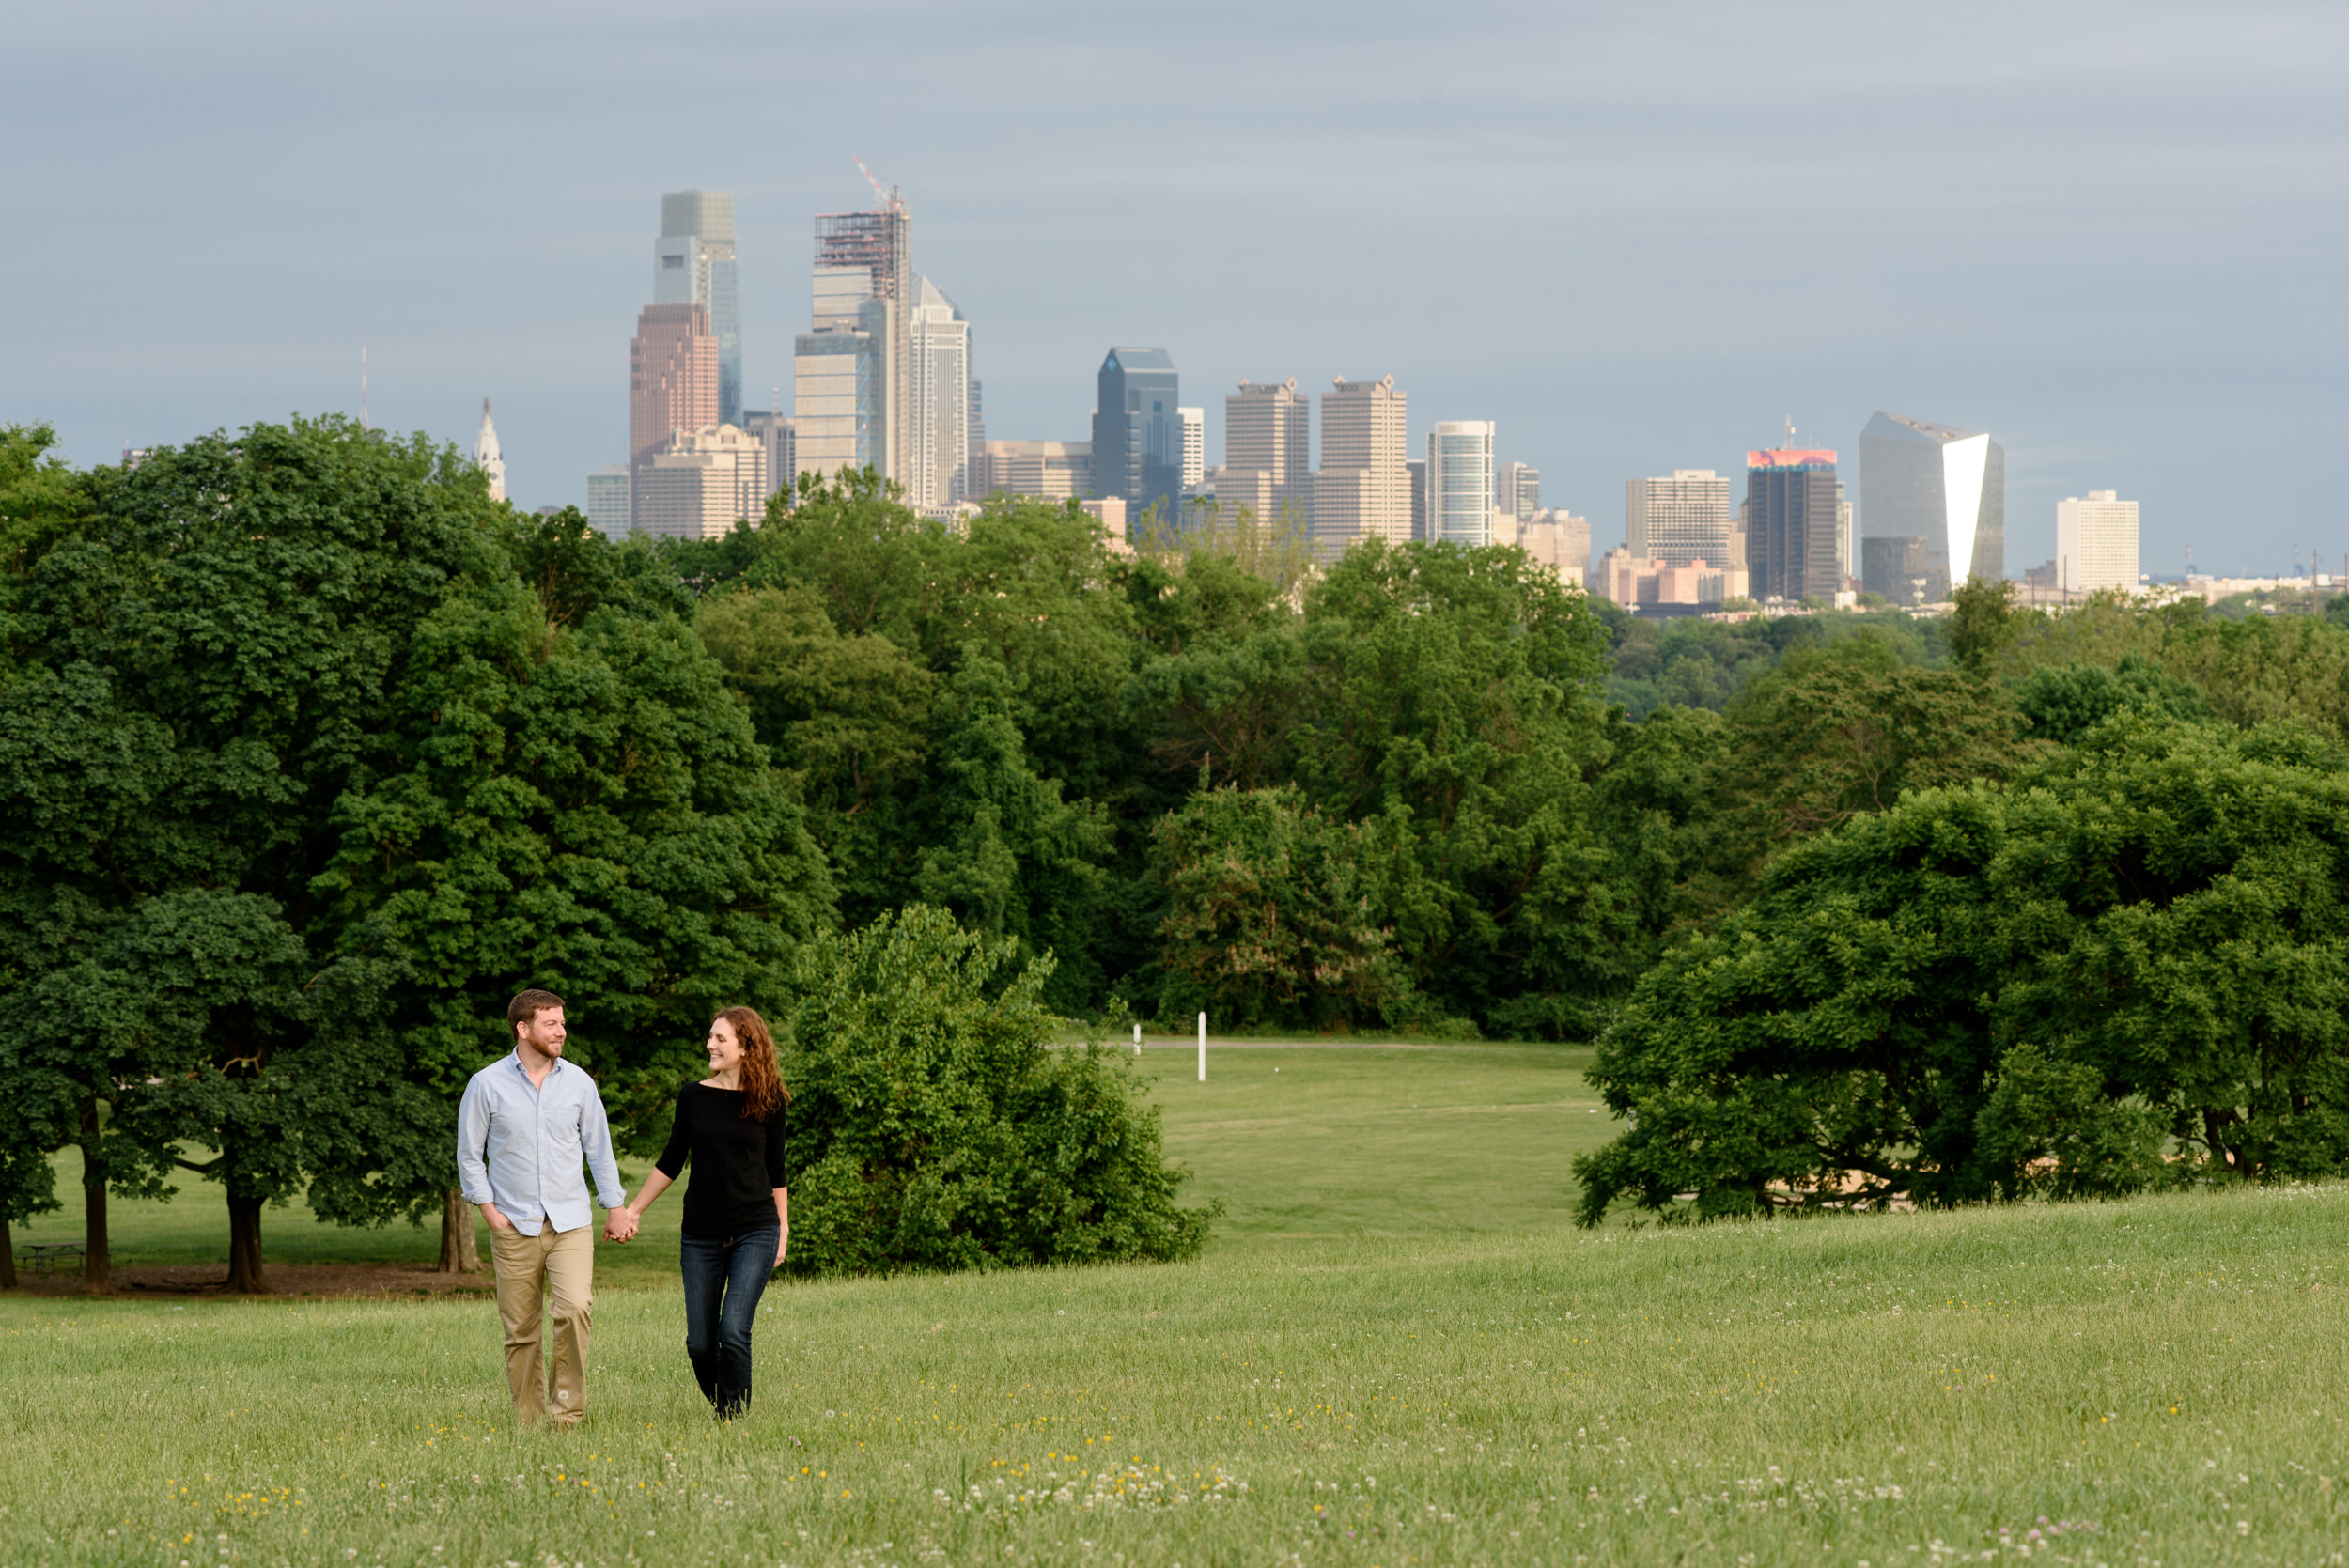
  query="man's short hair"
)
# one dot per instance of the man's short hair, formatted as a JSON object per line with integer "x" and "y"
{"x": 528, "y": 1005}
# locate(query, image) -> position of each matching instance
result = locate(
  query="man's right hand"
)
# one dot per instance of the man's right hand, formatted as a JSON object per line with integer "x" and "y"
{"x": 497, "y": 1221}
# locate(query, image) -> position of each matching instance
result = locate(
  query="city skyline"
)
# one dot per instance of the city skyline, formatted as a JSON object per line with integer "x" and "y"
{"x": 2070, "y": 276}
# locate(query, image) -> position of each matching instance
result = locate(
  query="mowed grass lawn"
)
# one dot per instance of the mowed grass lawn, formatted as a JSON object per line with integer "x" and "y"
{"x": 1397, "y": 1352}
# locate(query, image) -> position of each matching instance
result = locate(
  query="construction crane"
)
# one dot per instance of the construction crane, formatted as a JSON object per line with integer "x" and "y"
{"x": 889, "y": 198}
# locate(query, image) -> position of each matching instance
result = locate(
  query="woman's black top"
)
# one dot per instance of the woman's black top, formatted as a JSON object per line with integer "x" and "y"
{"x": 738, "y": 1162}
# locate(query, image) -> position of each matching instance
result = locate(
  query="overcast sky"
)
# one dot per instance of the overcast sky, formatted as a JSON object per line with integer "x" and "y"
{"x": 1639, "y": 236}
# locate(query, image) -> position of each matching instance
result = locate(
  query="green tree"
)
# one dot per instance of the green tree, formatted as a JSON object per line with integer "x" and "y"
{"x": 583, "y": 808}
{"x": 1991, "y": 990}
{"x": 212, "y": 642}
{"x": 1454, "y": 698}
{"x": 848, "y": 715}
{"x": 2180, "y": 916}
{"x": 1840, "y": 732}
{"x": 1829, "y": 1043}
{"x": 42, "y": 501}
{"x": 997, "y": 844}
{"x": 1270, "y": 914}
{"x": 2062, "y": 702}
{"x": 934, "y": 1127}
{"x": 1982, "y": 621}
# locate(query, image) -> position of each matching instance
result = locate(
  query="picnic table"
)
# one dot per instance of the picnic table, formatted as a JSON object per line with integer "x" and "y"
{"x": 45, "y": 1257}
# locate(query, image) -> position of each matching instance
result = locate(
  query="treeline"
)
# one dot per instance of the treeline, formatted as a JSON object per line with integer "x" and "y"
{"x": 313, "y": 755}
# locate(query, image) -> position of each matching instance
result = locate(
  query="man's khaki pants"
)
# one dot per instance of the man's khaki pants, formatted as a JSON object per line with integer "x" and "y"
{"x": 550, "y": 1273}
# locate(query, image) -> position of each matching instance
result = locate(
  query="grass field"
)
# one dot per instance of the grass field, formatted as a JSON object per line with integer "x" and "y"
{"x": 1397, "y": 1352}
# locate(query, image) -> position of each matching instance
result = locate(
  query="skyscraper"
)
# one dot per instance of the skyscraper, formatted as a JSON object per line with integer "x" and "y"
{"x": 693, "y": 264}
{"x": 1679, "y": 520}
{"x": 1941, "y": 494}
{"x": 1518, "y": 490}
{"x": 608, "y": 501}
{"x": 855, "y": 366}
{"x": 1792, "y": 543}
{"x": 1267, "y": 447}
{"x": 778, "y": 433}
{"x": 486, "y": 456}
{"x": 938, "y": 472}
{"x": 1460, "y": 483}
{"x": 1364, "y": 490}
{"x": 1137, "y": 433}
{"x": 673, "y": 384}
{"x": 2095, "y": 543}
{"x": 1195, "y": 445}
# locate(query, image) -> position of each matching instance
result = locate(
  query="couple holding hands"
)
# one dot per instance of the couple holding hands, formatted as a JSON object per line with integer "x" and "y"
{"x": 527, "y": 1123}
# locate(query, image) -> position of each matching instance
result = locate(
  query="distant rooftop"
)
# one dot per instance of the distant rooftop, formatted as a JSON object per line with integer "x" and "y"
{"x": 1138, "y": 359}
{"x": 1894, "y": 426}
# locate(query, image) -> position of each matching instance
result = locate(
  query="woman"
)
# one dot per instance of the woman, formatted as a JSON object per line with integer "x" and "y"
{"x": 737, "y": 1210}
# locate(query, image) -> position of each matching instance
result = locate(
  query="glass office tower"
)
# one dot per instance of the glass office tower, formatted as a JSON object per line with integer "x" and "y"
{"x": 1937, "y": 495}
{"x": 693, "y": 264}
{"x": 1460, "y": 483}
{"x": 1138, "y": 430}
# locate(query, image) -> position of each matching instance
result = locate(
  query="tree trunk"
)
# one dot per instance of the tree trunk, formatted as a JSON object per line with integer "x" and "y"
{"x": 244, "y": 1247}
{"x": 460, "y": 1250}
{"x": 98, "y": 1269}
{"x": 7, "y": 1254}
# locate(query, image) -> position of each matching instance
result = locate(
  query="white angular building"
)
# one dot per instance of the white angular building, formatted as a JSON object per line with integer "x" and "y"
{"x": 2095, "y": 543}
{"x": 1932, "y": 508}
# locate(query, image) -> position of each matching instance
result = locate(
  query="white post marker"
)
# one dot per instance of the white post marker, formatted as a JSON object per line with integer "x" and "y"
{"x": 1203, "y": 1048}
{"x": 1137, "y": 1039}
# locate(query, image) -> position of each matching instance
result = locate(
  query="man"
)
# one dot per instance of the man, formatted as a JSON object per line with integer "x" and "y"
{"x": 523, "y": 1128}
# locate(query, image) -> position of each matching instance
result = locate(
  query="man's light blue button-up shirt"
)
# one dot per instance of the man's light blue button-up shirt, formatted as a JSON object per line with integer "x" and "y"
{"x": 520, "y": 1147}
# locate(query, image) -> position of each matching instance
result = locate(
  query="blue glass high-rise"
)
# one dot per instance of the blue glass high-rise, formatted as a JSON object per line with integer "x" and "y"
{"x": 1138, "y": 431}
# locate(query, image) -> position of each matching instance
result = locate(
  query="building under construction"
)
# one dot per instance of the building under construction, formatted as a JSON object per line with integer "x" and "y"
{"x": 854, "y": 366}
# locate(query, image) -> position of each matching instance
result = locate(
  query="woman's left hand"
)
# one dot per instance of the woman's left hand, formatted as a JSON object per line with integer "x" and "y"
{"x": 783, "y": 1245}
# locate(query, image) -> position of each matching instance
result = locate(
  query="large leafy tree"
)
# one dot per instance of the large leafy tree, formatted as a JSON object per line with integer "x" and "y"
{"x": 1454, "y": 694}
{"x": 208, "y": 649}
{"x": 2140, "y": 945}
{"x": 582, "y": 808}
{"x": 1271, "y": 917}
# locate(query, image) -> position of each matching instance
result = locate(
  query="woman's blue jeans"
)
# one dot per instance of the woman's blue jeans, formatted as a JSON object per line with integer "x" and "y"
{"x": 724, "y": 1277}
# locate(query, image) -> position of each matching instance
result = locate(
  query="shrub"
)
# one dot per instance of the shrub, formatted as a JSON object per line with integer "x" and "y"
{"x": 933, "y": 1126}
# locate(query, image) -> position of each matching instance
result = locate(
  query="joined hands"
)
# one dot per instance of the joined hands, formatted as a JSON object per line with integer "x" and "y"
{"x": 619, "y": 1225}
